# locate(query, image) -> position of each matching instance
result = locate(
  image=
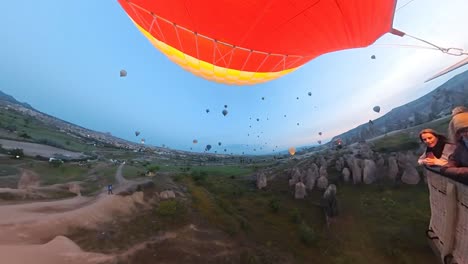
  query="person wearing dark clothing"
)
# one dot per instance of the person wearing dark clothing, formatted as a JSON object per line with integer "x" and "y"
{"x": 109, "y": 189}
{"x": 457, "y": 166}
{"x": 438, "y": 148}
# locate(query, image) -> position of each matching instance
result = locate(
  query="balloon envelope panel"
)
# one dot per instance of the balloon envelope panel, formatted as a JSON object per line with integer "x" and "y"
{"x": 248, "y": 42}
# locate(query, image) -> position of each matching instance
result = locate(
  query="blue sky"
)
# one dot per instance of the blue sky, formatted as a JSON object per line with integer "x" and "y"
{"x": 64, "y": 58}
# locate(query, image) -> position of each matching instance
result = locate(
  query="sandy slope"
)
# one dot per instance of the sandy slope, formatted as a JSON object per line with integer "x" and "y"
{"x": 58, "y": 251}
{"x": 25, "y": 227}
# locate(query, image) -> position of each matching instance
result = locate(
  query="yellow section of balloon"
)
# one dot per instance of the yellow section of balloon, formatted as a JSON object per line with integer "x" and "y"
{"x": 209, "y": 71}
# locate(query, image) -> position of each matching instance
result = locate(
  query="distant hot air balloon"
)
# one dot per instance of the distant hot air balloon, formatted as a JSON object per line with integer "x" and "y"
{"x": 284, "y": 115}
{"x": 310, "y": 94}
{"x": 373, "y": 57}
{"x": 319, "y": 141}
{"x": 258, "y": 119}
{"x": 339, "y": 143}
{"x": 292, "y": 151}
{"x": 225, "y": 112}
{"x": 219, "y": 143}
{"x": 263, "y": 98}
{"x": 249, "y": 42}
{"x": 208, "y": 147}
{"x": 137, "y": 133}
{"x": 123, "y": 73}
{"x": 297, "y": 123}
{"x": 225, "y": 150}
{"x": 207, "y": 110}
{"x": 195, "y": 141}
{"x": 320, "y": 133}
{"x": 225, "y": 106}
{"x": 297, "y": 98}
{"x": 376, "y": 109}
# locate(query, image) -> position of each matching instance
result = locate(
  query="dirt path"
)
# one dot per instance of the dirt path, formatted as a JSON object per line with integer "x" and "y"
{"x": 119, "y": 176}
{"x": 33, "y": 149}
{"x": 25, "y": 227}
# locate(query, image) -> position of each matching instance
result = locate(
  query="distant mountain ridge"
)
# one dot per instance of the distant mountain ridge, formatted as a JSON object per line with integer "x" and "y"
{"x": 11, "y": 99}
{"x": 438, "y": 103}
{"x": 88, "y": 135}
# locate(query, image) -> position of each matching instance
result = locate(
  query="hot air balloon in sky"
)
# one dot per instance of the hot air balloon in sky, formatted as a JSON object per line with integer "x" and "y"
{"x": 225, "y": 112}
{"x": 137, "y": 133}
{"x": 249, "y": 42}
{"x": 376, "y": 108}
{"x": 292, "y": 151}
{"x": 123, "y": 73}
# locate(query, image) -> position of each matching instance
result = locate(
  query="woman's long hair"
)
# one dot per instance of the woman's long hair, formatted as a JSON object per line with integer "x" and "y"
{"x": 439, "y": 136}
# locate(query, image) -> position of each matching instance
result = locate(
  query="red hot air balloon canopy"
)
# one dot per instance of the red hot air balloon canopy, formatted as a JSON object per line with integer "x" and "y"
{"x": 248, "y": 42}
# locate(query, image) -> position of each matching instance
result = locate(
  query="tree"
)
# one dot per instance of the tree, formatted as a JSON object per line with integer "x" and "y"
{"x": 17, "y": 153}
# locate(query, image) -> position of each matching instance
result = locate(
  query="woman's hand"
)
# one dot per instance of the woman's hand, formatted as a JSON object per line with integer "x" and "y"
{"x": 434, "y": 162}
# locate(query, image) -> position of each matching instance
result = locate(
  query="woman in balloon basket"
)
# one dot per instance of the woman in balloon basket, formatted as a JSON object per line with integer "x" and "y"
{"x": 457, "y": 165}
{"x": 438, "y": 149}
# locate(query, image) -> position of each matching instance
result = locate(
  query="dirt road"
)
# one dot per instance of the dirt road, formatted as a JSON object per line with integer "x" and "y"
{"x": 34, "y": 149}
{"x": 24, "y": 227}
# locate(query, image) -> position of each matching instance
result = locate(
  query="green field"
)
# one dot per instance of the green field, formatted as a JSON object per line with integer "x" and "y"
{"x": 32, "y": 130}
{"x": 382, "y": 223}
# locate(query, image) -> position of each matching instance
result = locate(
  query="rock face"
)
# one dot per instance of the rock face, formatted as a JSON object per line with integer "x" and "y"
{"x": 300, "y": 191}
{"x": 340, "y": 163}
{"x": 310, "y": 179}
{"x": 329, "y": 202}
{"x": 322, "y": 183}
{"x": 164, "y": 195}
{"x": 346, "y": 174}
{"x": 356, "y": 171}
{"x": 410, "y": 175}
{"x": 261, "y": 180}
{"x": 28, "y": 179}
{"x": 295, "y": 177}
{"x": 369, "y": 174}
{"x": 323, "y": 171}
{"x": 392, "y": 168}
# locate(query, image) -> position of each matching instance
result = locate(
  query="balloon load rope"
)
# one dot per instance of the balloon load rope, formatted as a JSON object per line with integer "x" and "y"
{"x": 449, "y": 51}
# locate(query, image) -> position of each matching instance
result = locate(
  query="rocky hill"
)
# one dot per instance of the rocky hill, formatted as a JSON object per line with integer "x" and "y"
{"x": 436, "y": 104}
{"x": 10, "y": 99}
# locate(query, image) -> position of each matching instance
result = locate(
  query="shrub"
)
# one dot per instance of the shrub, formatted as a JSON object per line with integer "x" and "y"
{"x": 153, "y": 168}
{"x": 17, "y": 153}
{"x": 25, "y": 135}
{"x": 199, "y": 177}
{"x": 274, "y": 205}
{"x": 296, "y": 216}
{"x": 171, "y": 209}
{"x": 307, "y": 235}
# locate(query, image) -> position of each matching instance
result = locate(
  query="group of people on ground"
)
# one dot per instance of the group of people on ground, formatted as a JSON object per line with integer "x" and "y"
{"x": 448, "y": 156}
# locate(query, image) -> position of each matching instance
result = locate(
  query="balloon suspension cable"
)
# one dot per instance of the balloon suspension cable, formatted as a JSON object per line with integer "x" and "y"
{"x": 449, "y": 51}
